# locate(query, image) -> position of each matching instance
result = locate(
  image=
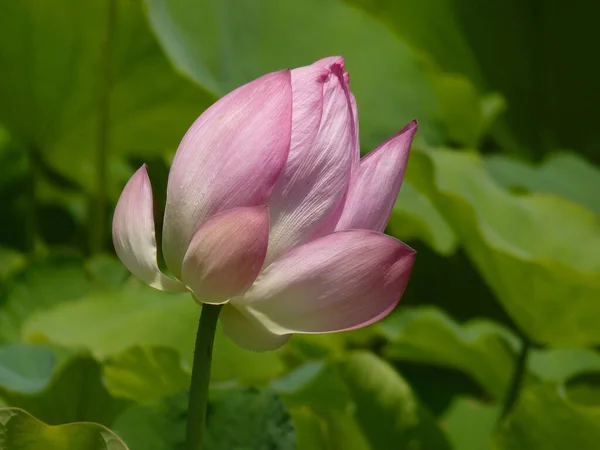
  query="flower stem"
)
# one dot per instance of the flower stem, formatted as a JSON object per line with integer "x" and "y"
{"x": 512, "y": 395}
{"x": 99, "y": 197}
{"x": 201, "y": 376}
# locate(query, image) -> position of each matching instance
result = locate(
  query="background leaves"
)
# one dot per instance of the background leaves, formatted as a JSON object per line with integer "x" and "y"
{"x": 504, "y": 219}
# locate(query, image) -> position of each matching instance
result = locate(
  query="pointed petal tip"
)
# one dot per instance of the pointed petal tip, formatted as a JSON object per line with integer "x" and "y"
{"x": 134, "y": 236}
{"x": 409, "y": 129}
{"x": 331, "y": 61}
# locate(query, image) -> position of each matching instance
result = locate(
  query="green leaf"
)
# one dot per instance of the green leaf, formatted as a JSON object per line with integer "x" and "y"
{"x": 467, "y": 115}
{"x": 415, "y": 217}
{"x": 248, "y": 418}
{"x": 51, "y": 89}
{"x": 533, "y": 267}
{"x": 386, "y": 409}
{"x": 226, "y": 44}
{"x": 53, "y": 280}
{"x": 21, "y": 431}
{"x": 310, "y": 433}
{"x": 564, "y": 174}
{"x": 543, "y": 418}
{"x": 145, "y": 374}
{"x": 469, "y": 424}
{"x": 584, "y": 389}
{"x": 28, "y": 369}
{"x": 111, "y": 322}
{"x": 315, "y": 384}
{"x": 158, "y": 425}
{"x": 56, "y": 387}
{"x": 480, "y": 348}
{"x": 107, "y": 270}
{"x": 237, "y": 418}
{"x": 11, "y": 262}
{"x": 559, "y": 364}
{"x": 473, "y": 39}
{"x": 319, "y": 399}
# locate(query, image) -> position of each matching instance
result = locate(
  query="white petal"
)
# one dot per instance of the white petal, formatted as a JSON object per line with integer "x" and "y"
{"x": 249, "y": 333}
{"x": 133, "y": 233}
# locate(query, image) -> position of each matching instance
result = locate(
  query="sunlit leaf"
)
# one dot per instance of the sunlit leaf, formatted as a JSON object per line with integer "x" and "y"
{"x": 21, "y": 431}
{"x": 469, "y": 424}
{"x": 559, "y": 364}
{"x": 110, "y": 322}
{"x": 544, "y": 418}
{"x": 563, "y": 174}
{"x": 45, "y": 283}
{"x": 415, "y": 217}
{"x": 537, "y": 253}
{"x": 386, "y": 409}
{"x": 145, "y": 374}
{"x": 481, "y": 348}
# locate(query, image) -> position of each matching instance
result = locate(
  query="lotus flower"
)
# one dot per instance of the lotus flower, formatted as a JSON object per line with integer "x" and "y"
{"x": 271, "y": 212}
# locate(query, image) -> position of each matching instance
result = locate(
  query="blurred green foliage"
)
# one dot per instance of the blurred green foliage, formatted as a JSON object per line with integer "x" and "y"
{"x": 501, "y": 199}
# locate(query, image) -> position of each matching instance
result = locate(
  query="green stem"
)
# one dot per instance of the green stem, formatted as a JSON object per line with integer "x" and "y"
{"x": 201, "y": 376}
{"x": 98, "y": 206}
{"x": 512, "y": 395}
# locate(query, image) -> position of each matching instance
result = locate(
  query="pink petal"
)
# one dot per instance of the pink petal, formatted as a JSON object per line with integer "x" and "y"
{"x": 247, "y": 332}
{"x": 133, "y": 233}
{"x": 341, "y": 281}
{"x": 339, "y": 60}
{"x": 376, "y": 184}
{"x": 230, "y": 157}
{"x": 327, "y": 62}
{"x": 317, "y": 174}
{"x": 226, "y": 253}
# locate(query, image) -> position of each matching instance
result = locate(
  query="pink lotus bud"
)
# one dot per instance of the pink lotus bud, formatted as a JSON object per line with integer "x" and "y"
{"x": 315, "y": 261}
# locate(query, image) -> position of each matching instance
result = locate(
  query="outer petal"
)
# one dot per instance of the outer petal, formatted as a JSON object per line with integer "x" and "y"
{"x": 317, "y": 174}
{"x": 341, "y": 281}
{"x": 248, "y": 333}
{"x": 133, "y": 233}
{"x": 226, "y": 253}
{"x": 231, "y": 156}
{"x": 376, "y": 183}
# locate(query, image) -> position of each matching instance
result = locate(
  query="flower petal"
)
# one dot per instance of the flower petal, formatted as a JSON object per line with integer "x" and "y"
{"x": 230, "y": 157}
{"x": 341, "y": 281}
{"x": 376, "y": 184}
{"x": 248, "y": 333}
{"x": 331, "y": 60}
{"x": 226, "y": 253}
{"x": 316, "y": 176}
{"x": 133, "y": 233}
